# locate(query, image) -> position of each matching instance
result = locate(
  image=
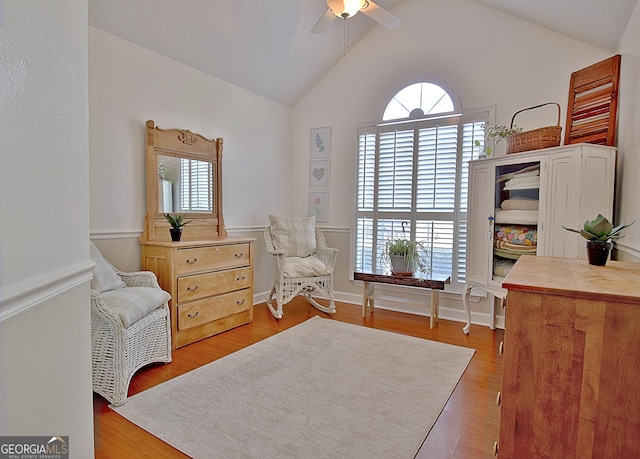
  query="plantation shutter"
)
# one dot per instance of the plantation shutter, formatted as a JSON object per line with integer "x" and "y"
{"x": 195, "y": 185}
{"x": 412, "y": 177}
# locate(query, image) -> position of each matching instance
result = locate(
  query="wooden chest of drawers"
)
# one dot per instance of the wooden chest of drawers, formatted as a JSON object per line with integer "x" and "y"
{"x": 571, "y": 360}
{"x": 210, "y": 282}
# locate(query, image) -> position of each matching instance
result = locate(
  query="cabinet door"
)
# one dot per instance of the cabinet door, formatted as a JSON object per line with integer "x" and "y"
{"x": 480, "y": 227}
{"x": 563, "y": 202}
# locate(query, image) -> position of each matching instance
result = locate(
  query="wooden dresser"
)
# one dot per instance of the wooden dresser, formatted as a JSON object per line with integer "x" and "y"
{"x": 210, "y": 282}
{"x": 571, "y": 371}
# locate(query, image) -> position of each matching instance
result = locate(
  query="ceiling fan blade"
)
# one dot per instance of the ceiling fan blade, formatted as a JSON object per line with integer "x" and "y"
{"x": 324, "y": 22}
{"x": 380, "y": 15}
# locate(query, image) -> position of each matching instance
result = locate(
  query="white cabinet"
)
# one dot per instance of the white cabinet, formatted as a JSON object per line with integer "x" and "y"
{"x": 518, "y": 204}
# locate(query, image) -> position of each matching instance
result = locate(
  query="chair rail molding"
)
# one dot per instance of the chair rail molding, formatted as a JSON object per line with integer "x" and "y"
{"x": 628, "y": 248}
{"x": 21, "y": 296}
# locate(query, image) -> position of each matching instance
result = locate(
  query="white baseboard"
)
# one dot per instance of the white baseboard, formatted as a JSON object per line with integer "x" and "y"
{"x": 456, "y": 315}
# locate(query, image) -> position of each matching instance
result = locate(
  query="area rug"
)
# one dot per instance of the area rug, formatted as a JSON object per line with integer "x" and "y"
{"x": 321, "y": 389}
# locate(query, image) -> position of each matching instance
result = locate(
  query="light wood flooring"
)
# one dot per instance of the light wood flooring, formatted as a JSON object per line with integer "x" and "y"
{"x": 466, "y": 428}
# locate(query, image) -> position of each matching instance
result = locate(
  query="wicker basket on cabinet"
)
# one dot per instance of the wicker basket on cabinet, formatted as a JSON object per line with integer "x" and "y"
{"x": 536, "y": 139}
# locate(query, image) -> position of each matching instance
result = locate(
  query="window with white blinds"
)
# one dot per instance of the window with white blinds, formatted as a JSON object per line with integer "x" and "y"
{"x": 196, "y": 188}
{"x": 416, "y": 172}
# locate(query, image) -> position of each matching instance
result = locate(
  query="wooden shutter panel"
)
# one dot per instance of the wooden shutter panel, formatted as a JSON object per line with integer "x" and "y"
{"x": 593, "y": 103}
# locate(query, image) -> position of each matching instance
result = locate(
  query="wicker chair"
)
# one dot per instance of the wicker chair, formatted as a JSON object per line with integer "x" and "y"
{"x": 130, "y": 327}
{"x": 303, "y": 262}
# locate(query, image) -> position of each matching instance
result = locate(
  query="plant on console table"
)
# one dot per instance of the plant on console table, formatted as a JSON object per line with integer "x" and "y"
{"x": 599, "y": 234}
{"x": 176, "y": 222}
{"x": 405, "y": 256}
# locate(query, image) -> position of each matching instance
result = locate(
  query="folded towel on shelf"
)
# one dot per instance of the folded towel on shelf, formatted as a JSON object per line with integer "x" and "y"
{"x": 523, "y": 181}
{"x": 516, "y": 248}
{"x": 520, "y": 203}
{"x": 516, "y": 234}
{"x": 516, "y": 217}
{"x": 502, "y": 266}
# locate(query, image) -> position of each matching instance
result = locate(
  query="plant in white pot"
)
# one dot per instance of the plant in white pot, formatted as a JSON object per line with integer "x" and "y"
{"x": 599, "y": 233}
{"x": 405, "y": 256}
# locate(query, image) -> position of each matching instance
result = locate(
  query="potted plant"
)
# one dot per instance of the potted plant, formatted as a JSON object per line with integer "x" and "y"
{"x": 599, "y": 233}
{"x": 496, "y": 134}
{"x": 176, "y": 222}
{"x": 405, "y": 256}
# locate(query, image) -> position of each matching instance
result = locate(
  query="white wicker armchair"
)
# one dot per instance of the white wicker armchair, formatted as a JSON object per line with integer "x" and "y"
{"x": 303, "y": 263}
{"x": 130, "y": 328}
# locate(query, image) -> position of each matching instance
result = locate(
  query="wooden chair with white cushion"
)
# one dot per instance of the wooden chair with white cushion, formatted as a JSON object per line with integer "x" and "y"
{"x": 304, "y": 264}
{"x": 130, "y": 326}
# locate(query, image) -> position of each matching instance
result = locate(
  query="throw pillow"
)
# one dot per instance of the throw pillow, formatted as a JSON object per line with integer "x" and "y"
{"x": 296, "y": 235}
{"x": 105, "y": 277}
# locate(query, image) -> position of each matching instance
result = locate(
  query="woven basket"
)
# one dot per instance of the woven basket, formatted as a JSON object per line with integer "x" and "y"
{"x": 538, "y": 138}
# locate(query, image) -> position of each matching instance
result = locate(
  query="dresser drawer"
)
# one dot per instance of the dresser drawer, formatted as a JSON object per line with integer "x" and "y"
{"x": 212, "y": 308}
{"x": 215, "y": 283}
{"x": 198, "y": 259}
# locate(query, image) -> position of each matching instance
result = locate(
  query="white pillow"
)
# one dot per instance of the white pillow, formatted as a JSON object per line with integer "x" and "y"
{"x": 296, "y": 267}
{"x": 296, "y": 235}
{"x": 105, "y": 277}
{"x": 133, "y": 303}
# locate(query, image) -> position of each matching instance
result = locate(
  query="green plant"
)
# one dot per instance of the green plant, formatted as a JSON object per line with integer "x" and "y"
{"x": 600, "y": 229}
{"x": 414, "y": 253}
{"x": 177, "y": 221}
{"x": 496, "y": 133}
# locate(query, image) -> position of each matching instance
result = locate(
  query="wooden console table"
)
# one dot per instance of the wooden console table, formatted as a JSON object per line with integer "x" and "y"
{"x": 370, "y": 279}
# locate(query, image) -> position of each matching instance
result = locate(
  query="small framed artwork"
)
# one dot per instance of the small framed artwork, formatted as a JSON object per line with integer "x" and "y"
{"x": 319, "y": 174}
{"x": 319, "y": 205}
{"x": 320, "y": 142}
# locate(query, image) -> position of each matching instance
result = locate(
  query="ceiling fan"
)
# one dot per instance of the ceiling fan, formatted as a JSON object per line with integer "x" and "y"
{"x": 348, "y": 8}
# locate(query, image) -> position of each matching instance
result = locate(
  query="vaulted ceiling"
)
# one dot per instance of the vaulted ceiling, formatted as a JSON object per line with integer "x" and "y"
{"x": 267, "y": 47}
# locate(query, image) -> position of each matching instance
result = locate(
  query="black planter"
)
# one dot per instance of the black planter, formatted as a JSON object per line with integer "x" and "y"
{"x": 176, "y": 233}
{"x": 598, "y": 252}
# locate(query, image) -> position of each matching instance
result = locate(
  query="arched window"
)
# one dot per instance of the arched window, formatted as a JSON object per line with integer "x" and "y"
{"x": 412, "y": 179}
{"x": 418, "y": 100}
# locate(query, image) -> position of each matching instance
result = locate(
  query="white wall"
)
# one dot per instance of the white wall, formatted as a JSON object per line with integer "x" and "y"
{"x": 45, "y": 347}
{"x": 628, "y": 191}
{"x": 488, "y": 57}
{"x": 129, "y": 85}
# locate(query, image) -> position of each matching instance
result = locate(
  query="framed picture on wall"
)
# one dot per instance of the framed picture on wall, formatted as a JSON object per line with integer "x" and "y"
{"x": 319, "y": 174}
{"x": 319, "y": 205}
{"x": 320, "y": 142}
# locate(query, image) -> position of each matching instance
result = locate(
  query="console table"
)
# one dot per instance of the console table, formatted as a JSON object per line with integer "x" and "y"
{"x": 370, "y": 279}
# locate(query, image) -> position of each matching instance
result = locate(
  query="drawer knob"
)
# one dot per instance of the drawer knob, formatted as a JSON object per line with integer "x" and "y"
{"x": 240, "y": 302}
{"x": 499, "y": 398}
{"x": 193, "y": 316}
{"x": 241, "y": 278}
{"x": 192, "y": 289}
{"x": 239, "y": 255}
{"x": 191, "y": 262}
{"x": 495, "y": 448}
{"x": 501, "y": 348}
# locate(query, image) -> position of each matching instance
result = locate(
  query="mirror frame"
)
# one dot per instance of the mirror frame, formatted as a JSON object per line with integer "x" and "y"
{"x": 182, "y": 143}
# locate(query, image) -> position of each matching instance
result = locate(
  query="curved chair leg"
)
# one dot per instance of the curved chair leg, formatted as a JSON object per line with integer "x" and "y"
{"x": 331, "y": 309}
{"x": 277, "y": 313}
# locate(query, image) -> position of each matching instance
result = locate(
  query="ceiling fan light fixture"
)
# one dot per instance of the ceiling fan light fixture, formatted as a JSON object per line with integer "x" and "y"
{"x": 345, "y": 8}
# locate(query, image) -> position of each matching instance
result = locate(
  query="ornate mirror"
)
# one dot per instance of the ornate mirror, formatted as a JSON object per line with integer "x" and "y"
{"x": 183, "y": 177}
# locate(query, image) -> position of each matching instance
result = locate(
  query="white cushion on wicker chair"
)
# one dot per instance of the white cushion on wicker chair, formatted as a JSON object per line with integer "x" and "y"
{"x": 296, "y": 235}
{"x": 304, "y": 267}
{"x": 105, "y": 277}
{"x": 133, "y": 303}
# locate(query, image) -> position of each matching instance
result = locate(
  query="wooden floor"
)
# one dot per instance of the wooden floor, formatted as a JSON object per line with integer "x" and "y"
{"x": 467, "y": 427}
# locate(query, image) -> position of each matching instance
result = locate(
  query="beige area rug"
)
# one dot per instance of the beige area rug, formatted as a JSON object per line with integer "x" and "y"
{"x": 321, "y": 389}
